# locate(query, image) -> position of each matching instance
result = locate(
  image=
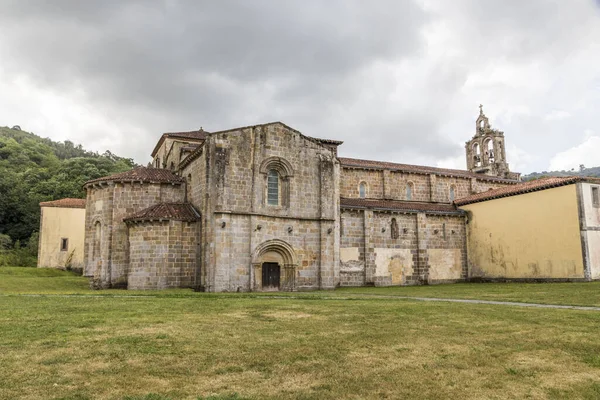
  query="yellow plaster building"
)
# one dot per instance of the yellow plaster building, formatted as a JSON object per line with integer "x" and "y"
{"x": 62, "y": 233}
{"x": 546, "y": 229}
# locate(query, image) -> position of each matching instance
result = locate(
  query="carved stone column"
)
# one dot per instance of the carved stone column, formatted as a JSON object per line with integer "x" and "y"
{"x": 256, "y": 277}
{"x": 288, "y": 283}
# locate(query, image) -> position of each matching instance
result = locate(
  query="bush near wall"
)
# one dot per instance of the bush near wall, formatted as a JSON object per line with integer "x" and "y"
{"x": 17, "y": 255}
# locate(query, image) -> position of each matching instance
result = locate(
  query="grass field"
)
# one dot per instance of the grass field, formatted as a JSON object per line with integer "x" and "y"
{"x": 351, "y": 343}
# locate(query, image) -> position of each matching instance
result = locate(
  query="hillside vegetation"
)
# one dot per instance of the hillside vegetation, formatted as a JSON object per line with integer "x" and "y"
{"x": 582, "y": 171}
{"x": 35, "y": 169}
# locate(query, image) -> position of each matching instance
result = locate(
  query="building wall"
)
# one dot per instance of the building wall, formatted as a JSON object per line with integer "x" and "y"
{"x": 169, "y": 153}
{"x": 590, "y": 228}
{"x": 428, "y": 248}
{"x": 58, "y": 223}
{"x": 162, "y": 255}
{"x": 233, "y": 165}
{"x": 387, "y": 184}
{"x": 107, "y": 257}
{"x": 529, "y": 236}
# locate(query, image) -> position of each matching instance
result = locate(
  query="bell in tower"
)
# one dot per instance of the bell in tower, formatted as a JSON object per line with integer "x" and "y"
{"x": 486, "y": 152}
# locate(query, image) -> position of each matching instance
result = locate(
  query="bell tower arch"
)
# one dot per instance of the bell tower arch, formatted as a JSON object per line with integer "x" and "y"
{"x": 486, "y": 152}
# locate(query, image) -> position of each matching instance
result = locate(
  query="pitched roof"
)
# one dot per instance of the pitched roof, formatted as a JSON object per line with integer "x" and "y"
{"x": 166, "y": 211}
{"x": 418, "y": 169}
{"x": 523, "y": 187}
{"x": 141, "y": 174}
{"x": 397, "y": 205}
{"x": 64, "y": 203}
{"x": 198, "y": 135}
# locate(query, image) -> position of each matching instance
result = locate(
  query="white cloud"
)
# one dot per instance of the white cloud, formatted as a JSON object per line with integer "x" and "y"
{"x": 555, "y": 115}
{"x": 585, "y": 153}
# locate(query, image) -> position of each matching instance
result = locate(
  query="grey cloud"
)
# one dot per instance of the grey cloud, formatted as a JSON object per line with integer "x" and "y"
{"x": 175, "y": 65}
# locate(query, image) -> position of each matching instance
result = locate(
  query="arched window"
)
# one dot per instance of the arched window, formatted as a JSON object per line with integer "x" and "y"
{"x": 157, "y": 163}
{"x": 409, "y": 191}
{"x": 97, "y": 240}
{"x": 394, "y": 229}
{"x": 278, "y": 175}
{"x": 273, "y": 188}
{"x": 477, "y": 155}
{"x": 452, "y": 194}
{"x": 362, "y": 190}
{"x": 489, "y": 150}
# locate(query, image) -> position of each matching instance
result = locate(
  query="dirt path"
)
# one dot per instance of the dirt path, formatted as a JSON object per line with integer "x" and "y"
{"x": 350, "y": 297}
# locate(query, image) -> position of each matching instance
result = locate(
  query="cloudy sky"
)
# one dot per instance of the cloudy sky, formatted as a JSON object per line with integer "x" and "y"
{"x": 395, "y": 80}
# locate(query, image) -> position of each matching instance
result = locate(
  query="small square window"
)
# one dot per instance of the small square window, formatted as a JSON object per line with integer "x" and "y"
{"x": 595, "y": 197}
{"x": 64, "y": 244}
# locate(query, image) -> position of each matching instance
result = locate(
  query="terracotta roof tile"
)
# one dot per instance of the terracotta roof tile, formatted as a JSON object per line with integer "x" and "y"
{"x": 141, "y": 174}
{"x": 64, "y": 203}
{"x": 166, "y": 211}
{"x": 523, "y": 187}
{"x": 408, "y": 206}
{"x": 418, "y": 169}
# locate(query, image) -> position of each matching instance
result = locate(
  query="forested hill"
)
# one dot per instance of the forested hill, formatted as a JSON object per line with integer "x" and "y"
{"x": 582, "y": 171}
{"x": 34, "y": 169}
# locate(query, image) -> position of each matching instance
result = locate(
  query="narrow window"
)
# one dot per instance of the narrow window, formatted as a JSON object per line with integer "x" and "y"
{"x": 273, "y": 188}
{"x": 477, "y": 155}
{"x": 362, "y": 190}
{"x": 97, "y": 240}
{"x": 595, "y": 197}
{"x": 64, "y": 244}
{"x": 451, "y": 195}
{"x": 394, "y": 229}
{"x": 409, "y": 191}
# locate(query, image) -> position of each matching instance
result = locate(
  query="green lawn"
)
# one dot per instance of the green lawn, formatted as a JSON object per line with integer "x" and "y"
{"x": 351, "y": 343}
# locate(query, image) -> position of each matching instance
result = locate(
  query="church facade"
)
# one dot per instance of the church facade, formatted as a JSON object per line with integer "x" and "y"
{"x": 266, "y": 207}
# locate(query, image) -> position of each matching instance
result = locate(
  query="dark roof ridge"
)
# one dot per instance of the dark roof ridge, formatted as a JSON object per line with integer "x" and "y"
{"x": 362, "y": 163}
{"x": 198, "y": 135}
{"x": 524, "y": 187}
{"x": 141, "y": 174}
{"x": 178, "y": 211}
{"x": 69, "y": 202}
{"x": 400, "y": 205}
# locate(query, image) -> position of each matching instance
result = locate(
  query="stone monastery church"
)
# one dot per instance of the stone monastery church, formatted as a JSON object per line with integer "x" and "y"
{"x": 266, "y": 207}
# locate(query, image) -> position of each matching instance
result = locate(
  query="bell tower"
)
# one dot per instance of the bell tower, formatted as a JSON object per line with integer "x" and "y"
{"x": 486, "y": 153}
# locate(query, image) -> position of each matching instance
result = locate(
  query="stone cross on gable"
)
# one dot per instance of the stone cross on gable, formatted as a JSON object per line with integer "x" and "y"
{"x": 481, "y": 109}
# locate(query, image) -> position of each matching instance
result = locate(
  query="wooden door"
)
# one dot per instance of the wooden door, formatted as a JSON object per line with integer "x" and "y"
{"x": 271, "y": 274}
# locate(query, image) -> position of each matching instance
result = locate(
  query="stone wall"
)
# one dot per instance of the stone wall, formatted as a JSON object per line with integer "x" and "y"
{"x": 234, "y": 165}
{"x": 423, "y": 249}
{"x": 162, "y": 254}
{"x": 392, "y": 185}
{"x": 107, "y": 257}
{"x": 236, "y": 250}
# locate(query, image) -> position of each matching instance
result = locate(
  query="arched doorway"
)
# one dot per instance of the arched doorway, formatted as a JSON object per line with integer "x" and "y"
{"x": 274, "y": 266}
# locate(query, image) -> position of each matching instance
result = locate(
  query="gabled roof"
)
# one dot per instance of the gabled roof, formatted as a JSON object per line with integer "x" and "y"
{"x": 141, "y": 174}
{"x": 398, "y": 205}
{"x": 195, "y": 153}
{"x": 64, "y": 203}
{"x": 419, "y": 169}
{"x": 166, "y": 212}
{"x": 523, "y": 187}
{"x": 196, "y": 136}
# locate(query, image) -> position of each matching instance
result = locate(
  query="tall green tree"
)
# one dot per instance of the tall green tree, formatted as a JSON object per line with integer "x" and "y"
{"x": 35, "y": 169}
